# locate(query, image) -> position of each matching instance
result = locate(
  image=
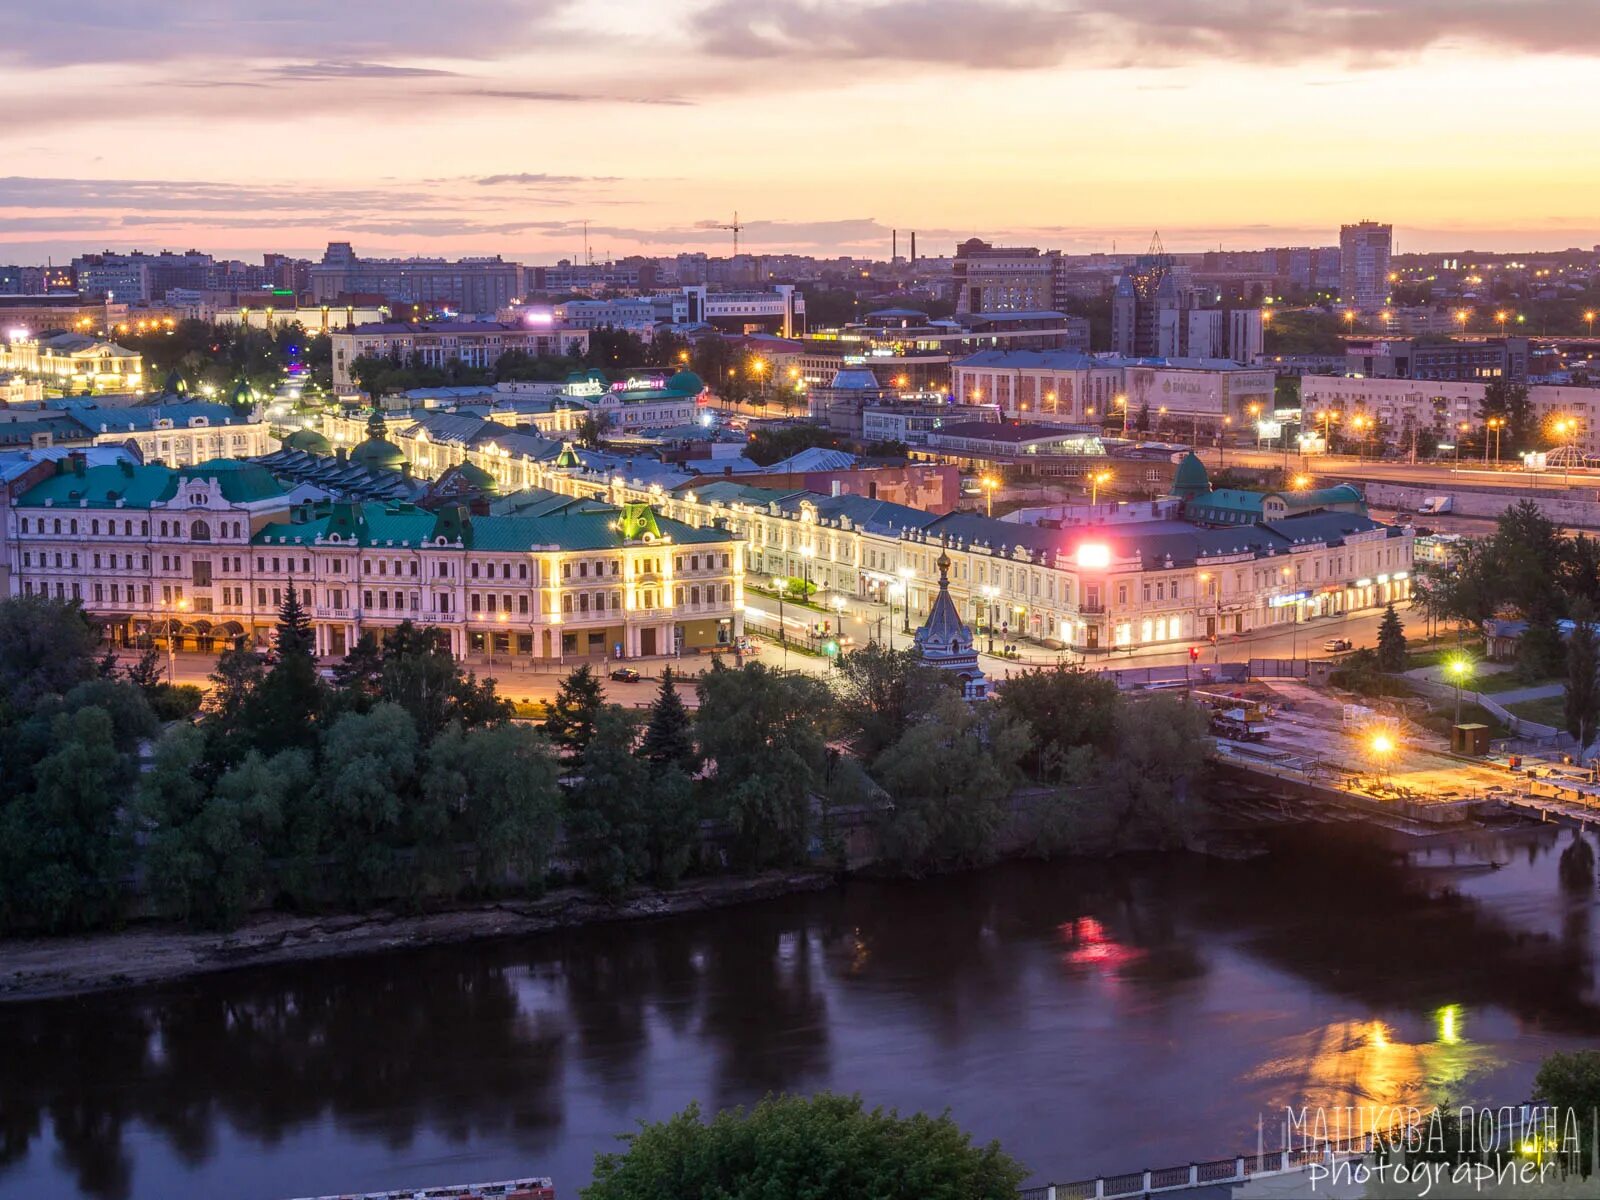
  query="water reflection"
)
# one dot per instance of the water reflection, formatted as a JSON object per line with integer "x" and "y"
{"x": 1047, "y": 1003}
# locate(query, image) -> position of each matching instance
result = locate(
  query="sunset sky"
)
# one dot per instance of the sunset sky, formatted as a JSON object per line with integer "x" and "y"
{"x": 499, "y": 126}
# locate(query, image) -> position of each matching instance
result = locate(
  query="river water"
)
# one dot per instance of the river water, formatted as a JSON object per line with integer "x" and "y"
{"x": 1094, "y": 1016}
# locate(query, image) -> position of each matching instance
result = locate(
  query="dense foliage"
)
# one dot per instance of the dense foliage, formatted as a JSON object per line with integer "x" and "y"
{"x": 823, "y": 1145}
{"x": 400, "y": 779}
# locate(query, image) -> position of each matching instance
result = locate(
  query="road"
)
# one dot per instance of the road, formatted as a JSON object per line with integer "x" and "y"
{"x": 1423, "y": 474}
{"x": 862, "y": 621}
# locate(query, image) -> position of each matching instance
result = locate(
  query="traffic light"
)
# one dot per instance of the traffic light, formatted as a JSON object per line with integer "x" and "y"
{"x": 831, "y": 648}
{"x": 1194, "y": 653}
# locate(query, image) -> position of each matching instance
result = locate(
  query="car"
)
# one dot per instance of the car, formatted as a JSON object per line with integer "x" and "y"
{"x": 626, "y": 675}
{"x": 1336, "y": 645}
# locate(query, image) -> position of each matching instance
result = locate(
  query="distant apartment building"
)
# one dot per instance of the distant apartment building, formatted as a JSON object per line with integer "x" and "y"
{"x": 1331, "y": 403}
{"x": 1003, "y": 278}
{"x": 439, "y": 343}
{"x": 138, "y": 277}
{"x": 1078, "y": 389}
{"x": 1310, "y": 268}
{"x": 1364, "y": 251}
{"x": 631, "y": 275}
{"x": 1476, "y": 359}
{"x": 780, "y": 309}
{"x": 469, "y": 286}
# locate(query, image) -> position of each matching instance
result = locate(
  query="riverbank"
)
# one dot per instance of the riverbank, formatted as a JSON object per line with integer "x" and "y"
{"x": 51, "y": 968}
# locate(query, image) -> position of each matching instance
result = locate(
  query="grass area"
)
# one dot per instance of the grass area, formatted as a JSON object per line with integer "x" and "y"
{"x": 1504, "y": 681}
{"x": 1550, "y": 710}
{"x": 1425, "y": 654}
{"x": 1440, "y": 719}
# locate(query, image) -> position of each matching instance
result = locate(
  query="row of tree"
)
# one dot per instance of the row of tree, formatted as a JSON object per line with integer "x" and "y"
{"x": 404, "y": 780}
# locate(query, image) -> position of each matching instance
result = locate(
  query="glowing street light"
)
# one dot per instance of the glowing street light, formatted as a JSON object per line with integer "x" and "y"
{"x": 1459, "y": 670}
{"x": 1588, "y": 318}
{"x": 907, "y": 574}
{"x": 1095, "y": 480}
{"x": 989, "y": 485}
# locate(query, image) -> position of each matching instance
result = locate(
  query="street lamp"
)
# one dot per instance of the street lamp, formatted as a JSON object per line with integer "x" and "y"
{"x": 898, "y": 590}
{"x": 1460, "y": 670}
{"x": 1095, "y": 480}
{"x": 1381, "y": 746}
{"x": 1462, "y": 317}
{"x": 907, "y": 574}
{"x": 1501, "y": 318}
{"x": 1122, "y": 401}
{"x": 1588, "y": 318}
{"x": 990, "y": 592}
{"x": 989, "y": 485}
{"x": 1492, "y": 425}
{"x": 778, "y": 586}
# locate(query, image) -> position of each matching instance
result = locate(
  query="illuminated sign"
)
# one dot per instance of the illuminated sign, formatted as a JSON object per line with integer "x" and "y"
{"x": 1291, "y": 598}
{"x": 1094, "y": 556}
{"x": 636, "y": 383}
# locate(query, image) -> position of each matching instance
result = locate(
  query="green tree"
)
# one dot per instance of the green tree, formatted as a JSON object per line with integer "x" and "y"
{"x": 671, "y": 823}
{"x": 763, "y": 730}
{"x": 1570, "y": 1082}
{"x": 1148, "y": 788}
{"x": 286, "y": 706}
{"x": 951, "y": 774}
{"x": 46, "y": 647}
{"x": 419, "y": 673}
{"x": 1391, "y": 642}
{"x": 881, "y": 692}
{"x": 579, "y": 699}
{"x": 369, "y": 760}
{"x": 669, "y": 733}
{"x": 1581, "y": 708}
{"x": 605, "y": 810}
{"x": 63, "y": 846}
{"x": 819, "y": 1146}
{"x": 499, "y": 786}
{"x": 1072, "y": 714}
{"x": 1508, "y": 400}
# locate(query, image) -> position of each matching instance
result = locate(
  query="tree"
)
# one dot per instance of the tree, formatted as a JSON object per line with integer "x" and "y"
{"x": 822, "y": 1145}
{"x": 1391, "y": 642}
{"x": 499, "y": 787}
{"x": 881, "y": 692}
{"x": 46, "y": 646}
{"x": 284, "y": 710}
{"x": 573, "y": 713}
{"x": 1570, "y": 1082}
{"x": 368, "y": 764}
{"x": 762, "y": 730}
{"x": 1161, "y": 747}
{"x": 1073, "y": 716}
{"x": 951, "y": 774}
{"x": 671, "y": 823}
{"x": 1508, "y": 400}
{"x": 63, "y": 846}
{"x": 605, "y": 810}
{"x": 419, "y": 673}
{"x": 1581, "y": 709}
{"x": 669, "y": 734}
{"x": 146, "y": 673}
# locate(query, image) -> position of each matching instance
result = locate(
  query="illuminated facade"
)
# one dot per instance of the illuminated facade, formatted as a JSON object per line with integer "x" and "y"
{"x": 73, "y": 361}
{"x": 209, "y": 553}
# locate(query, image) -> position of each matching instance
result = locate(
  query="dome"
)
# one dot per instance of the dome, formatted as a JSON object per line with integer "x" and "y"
{"x": 308, "y": 440}
{"x": 476, "y": 477}
{"x": 854, "y": 377}
{"x": 378, "y": 454}
{"x": 1191, "y": 478}
{"x": 686, "y": 383}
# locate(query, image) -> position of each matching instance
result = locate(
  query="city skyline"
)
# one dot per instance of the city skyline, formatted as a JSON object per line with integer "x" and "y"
{"x": 501, "y": 127}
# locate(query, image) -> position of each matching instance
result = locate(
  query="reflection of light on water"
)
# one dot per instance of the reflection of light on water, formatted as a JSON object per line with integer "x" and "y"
{"x": 1090, "y": 945}
{"x": 1365, "y": 1063}
{"x": 1449, "y": 1018}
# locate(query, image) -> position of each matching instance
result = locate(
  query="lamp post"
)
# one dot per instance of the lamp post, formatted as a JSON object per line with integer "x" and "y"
{"x": 807, "y": 553}
{"x": 1588, "y": 318}
{"x": 894, "y": 590}
{"x": 907, "y": 574}
{"x": 1123, "y": 402}
{"x": 1381, "y": 746}
{"x": 1095, "y": 480}
{"x": 1460, "y": 670}
{"x": 989, "y": 485}
{"x": 989, "y": 594}
{"x": 778, "y": 586}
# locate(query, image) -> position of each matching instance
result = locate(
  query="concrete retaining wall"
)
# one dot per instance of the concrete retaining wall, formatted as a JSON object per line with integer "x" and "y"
{"x": 1575, "y": 508}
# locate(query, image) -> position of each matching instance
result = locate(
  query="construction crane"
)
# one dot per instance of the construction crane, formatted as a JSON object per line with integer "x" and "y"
{"x": 736, "y": 225}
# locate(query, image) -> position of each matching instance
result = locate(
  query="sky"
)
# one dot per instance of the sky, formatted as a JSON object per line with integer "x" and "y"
{"x": 452, "y": 127}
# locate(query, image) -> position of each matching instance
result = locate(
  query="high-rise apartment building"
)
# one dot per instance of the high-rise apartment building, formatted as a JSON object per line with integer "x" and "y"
{"x": 471, "y": 285}
{"x": 1151, "y": 310}
{"x": 1364, "y": 265}
{"x": 1003, "y": 278}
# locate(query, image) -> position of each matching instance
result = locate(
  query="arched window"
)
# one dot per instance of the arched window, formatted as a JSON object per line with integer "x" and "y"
{"x": 199, "y": 531}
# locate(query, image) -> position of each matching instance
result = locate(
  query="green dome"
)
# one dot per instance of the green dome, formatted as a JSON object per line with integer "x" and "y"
{"x": 475, "y": 476}
{"x": 686, "y": 383}
{"x": 1191, "y": 478}
{"x": 378, "y": 454}
{"x": 308, "y": 440}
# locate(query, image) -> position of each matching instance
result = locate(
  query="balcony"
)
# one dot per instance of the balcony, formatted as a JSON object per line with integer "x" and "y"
{"x": 1095, "y": 609}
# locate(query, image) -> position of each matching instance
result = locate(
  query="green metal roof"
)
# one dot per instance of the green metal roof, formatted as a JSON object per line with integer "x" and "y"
{"x": 141, "y": 486}
{"x": 572, "y": 528}
{"x": 1229, "y": 500}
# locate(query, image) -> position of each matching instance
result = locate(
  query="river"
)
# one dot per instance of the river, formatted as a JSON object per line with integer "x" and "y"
{"x": 1103, "y": 1015}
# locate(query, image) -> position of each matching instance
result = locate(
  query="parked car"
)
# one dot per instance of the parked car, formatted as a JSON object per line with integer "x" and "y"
{"x": 626, "y": 675}
{"x": 1336, "y": 645}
